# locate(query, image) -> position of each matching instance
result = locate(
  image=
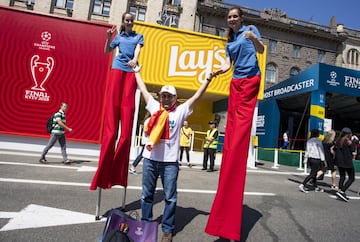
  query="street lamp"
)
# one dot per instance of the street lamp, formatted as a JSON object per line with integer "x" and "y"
{"x": 164, "y": 18}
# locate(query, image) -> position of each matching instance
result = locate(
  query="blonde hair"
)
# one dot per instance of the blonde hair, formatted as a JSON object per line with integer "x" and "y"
{"x": 329, "y": 137}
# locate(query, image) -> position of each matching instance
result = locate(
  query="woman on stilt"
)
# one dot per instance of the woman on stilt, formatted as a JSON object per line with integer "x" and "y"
{"x": 120, "y": 106}
{"x": 244, "y": 41}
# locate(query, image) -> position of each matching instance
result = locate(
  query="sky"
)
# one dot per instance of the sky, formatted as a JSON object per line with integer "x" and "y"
{"x": 346, "y": 12}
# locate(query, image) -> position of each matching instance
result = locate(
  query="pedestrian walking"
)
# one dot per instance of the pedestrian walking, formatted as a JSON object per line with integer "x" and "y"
{"x": 344, "y": 153}
{"x": 329, "y": 145}
{"x": 144, "y": 138}
{"x": 314, "y": 155}
{"x": 58, "y": 134}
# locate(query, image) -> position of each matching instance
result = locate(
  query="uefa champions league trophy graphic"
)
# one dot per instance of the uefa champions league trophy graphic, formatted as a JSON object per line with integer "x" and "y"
{"x": 40, "y": 71}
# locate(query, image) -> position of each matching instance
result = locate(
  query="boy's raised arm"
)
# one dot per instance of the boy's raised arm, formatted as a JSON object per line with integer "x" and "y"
{"x": 141, "y": 84}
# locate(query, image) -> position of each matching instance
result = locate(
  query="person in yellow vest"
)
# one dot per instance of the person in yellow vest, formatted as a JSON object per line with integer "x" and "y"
{"x": 185, "y": 141}
{"x": 210, "y": 146}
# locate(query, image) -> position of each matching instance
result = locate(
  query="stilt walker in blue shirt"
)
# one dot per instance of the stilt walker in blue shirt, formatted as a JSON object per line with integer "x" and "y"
{"x": 120, "y": 106}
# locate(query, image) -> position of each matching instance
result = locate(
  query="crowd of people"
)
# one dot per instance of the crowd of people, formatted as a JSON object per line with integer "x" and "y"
{"x": 332, "y": 152}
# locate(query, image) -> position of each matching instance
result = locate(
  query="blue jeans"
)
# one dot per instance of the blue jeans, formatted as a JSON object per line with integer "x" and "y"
{"x": 139, "y": 157}
{"x": 168, "y": 172}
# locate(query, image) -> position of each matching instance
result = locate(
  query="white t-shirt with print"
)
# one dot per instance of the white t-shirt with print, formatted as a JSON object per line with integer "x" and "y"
{"x": 168, "y": 150}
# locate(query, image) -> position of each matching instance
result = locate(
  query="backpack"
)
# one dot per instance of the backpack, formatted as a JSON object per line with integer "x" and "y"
{"x": 50, "y": 124}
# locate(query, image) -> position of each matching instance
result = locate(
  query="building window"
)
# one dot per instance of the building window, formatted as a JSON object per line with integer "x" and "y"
{"x": 220, "y": 32}
{"x": 138, "y": 13}
{"x": 167, "y": 19}
{"x": 68, "y": 4}
{"x": 28, "y": 3}
{"x": 271, "y": 73}
{"x": 294, "y": 71}
{"x": 172, "y": 20}
{"x": 102, "y": 7}
{"x": 174, "y": 2}
{"x": 296, "y": 51}
{"x": 272, "y": 46}
{"x": 321, "y": 56}
{"x": 353, "y": 57}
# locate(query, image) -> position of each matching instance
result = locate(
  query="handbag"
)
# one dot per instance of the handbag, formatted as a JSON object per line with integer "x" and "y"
{"x": 129, "y": 224}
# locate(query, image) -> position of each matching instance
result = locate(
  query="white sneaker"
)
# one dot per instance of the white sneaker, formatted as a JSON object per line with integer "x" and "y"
{"x": 318, "y": 189}
{"x": 132, "y": 171}
{"x": 302, "y": 188}
{"x": 340, "y": 194}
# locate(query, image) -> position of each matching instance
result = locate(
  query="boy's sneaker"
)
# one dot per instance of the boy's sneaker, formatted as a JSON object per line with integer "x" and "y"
{"x": 67, "y": 162}
{"x": 340, "y": 194}
{"x": 189, "y": 165}
{"x": 318, "y": 189}
{"x": 302, "y": 188}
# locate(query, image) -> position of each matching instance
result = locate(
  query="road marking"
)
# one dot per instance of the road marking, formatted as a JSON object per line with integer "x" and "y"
{"x": 36, "y": 216}
{"x": 79, "y": 184}
{"x": 79, "y": 169}
{"x": 74, "y": 157}
{"x": 93, "y": 168}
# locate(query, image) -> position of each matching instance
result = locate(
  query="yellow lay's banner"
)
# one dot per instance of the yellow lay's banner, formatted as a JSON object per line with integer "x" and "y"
{"x": 184, "y": 58}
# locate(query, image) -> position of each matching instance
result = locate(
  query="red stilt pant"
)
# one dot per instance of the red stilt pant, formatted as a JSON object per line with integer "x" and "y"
{"x": 226, "y": 212}
{"x": 120, "y": 106}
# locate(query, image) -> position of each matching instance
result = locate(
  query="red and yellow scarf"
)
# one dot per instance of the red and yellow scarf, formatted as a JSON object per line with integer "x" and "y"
{"x": 158, "y": 126}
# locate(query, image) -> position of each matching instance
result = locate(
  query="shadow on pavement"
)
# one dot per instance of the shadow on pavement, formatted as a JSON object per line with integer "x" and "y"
{"x": 250, "y": 218}
{"x": 184, "y": 216}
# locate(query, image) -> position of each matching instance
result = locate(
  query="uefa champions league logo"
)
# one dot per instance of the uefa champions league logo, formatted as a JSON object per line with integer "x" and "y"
{"x": 46, "y": 36}
{"x": 332, "y": 81}
{"x": 333, "y": 75}
{"x": 41, "y": 67}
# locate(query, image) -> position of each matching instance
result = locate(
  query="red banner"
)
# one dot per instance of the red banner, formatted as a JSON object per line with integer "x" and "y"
{"x": 45, "y": 60}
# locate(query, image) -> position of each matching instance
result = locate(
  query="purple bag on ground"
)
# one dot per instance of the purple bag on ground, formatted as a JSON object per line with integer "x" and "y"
{"x": 138, "y": 231}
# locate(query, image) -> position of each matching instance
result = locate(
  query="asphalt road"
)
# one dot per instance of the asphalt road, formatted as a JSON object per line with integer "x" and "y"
{"x": 53, "y": 203}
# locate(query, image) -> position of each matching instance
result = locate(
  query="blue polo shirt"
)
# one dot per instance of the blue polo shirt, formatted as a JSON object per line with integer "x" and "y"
{"x": 242, "y": 53}
{"x": 126, "y": 42}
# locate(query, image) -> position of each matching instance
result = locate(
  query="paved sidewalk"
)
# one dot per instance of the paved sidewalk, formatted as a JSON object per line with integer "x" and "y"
{"x": 30, "y": 146}
{"x": 9, "y": 143}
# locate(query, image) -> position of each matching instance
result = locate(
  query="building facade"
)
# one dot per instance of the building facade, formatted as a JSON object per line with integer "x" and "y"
{"x": 293, "y": 44}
